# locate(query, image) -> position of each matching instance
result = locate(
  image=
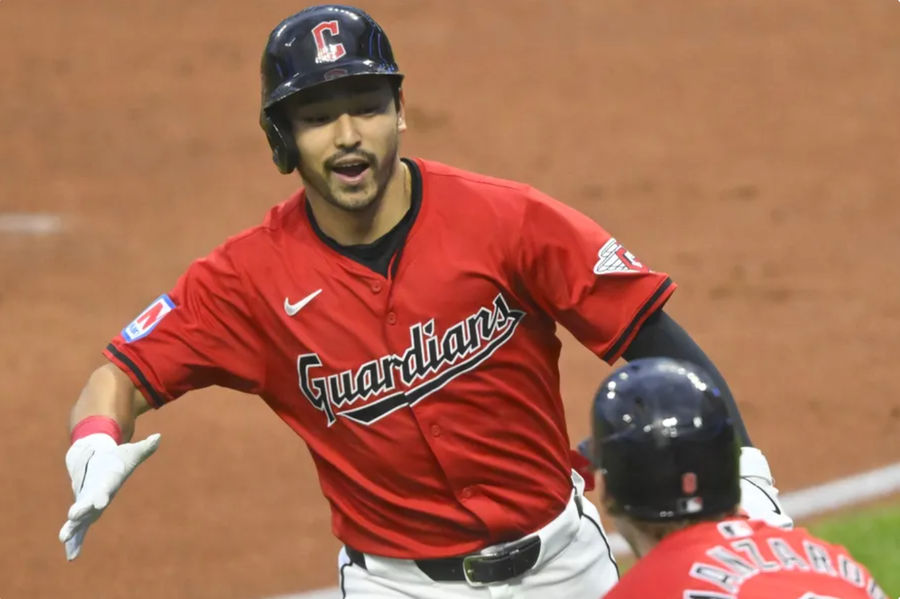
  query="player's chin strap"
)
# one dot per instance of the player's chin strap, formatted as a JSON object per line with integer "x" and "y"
{"x": 759, "y": 496}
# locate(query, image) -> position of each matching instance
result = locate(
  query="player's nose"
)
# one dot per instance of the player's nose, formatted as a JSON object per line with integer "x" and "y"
{"x": 346, "y": 135}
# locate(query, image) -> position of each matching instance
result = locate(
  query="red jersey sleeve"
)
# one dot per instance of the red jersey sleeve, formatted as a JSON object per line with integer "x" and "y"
{"x": 197, "y": 335}
{"x": 585, "y": 279}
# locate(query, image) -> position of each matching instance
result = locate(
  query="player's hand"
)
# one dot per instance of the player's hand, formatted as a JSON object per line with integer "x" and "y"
{"x": 759, "y": 497}
{"x": 98, "y": 467}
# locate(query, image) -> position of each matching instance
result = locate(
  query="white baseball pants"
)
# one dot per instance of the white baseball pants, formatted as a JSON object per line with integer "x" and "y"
{"x": 575, "y": 562}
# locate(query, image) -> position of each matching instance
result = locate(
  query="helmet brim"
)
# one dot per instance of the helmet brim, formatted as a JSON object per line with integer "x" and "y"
{"x": 326, "y": 74}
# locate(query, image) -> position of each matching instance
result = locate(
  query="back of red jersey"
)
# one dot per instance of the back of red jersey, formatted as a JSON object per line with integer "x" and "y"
{"x": 740, "y": 559}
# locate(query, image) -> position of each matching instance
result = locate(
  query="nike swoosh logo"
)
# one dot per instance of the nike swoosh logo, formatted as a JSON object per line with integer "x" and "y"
{"x": 761, "y": 490}
{"x": 291, "y": 309}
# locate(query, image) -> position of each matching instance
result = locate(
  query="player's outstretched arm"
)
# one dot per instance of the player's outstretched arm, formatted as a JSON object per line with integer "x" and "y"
{"x": 101, "y": 419}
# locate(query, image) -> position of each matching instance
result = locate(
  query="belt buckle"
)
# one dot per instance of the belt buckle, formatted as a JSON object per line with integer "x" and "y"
{"x": 509, "y": 552}
{"x": 468, "y": 570}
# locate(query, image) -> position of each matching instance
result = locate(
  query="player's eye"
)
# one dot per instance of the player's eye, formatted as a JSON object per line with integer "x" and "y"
{"x": 315, "y": 119}
{"x": 369, "y": 109}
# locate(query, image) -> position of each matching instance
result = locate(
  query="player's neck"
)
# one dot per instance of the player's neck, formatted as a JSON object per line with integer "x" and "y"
{"x": 639, "y": 539}
{"x": 365, "y": 226}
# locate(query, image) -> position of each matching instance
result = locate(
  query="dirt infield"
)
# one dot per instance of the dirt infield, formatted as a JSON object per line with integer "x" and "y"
{"x": 750, "y": 148}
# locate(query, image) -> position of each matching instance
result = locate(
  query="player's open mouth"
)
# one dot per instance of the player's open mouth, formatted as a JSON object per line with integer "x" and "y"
{"x": 350, "y": 172}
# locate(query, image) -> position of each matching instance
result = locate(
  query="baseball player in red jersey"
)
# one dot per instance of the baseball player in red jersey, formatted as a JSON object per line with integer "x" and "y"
{"x": 399, "y": 315}
{"x": 666, "y": 420}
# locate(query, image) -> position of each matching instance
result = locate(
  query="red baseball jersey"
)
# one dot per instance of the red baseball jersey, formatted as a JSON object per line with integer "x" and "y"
{"x": 742, "y": 559}
{"x": 429, "y": 399}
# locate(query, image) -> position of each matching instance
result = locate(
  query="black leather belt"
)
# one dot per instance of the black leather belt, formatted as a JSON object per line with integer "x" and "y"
{"x": 514, "y": 560}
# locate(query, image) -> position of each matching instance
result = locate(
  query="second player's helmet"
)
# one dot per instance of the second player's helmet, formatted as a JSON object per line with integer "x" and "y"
{"x": 664, "y": 442}
{"x": 316, "y": 45}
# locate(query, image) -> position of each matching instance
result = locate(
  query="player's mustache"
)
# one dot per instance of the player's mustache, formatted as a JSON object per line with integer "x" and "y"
{"x": 361, "y": 155}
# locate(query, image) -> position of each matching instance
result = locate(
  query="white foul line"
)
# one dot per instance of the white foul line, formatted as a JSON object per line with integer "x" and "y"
{"x": 843, "y": 492}
{"x": 827, "y": 497}
{"x": 30, "y": 223}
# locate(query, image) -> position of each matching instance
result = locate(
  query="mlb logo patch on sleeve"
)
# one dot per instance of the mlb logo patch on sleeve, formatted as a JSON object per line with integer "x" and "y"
{"x": 148, "y": 319}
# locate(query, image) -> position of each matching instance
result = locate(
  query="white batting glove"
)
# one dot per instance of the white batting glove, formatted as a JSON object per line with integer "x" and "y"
{"x": 98, "y": 467}
{"x": 759, "y": 497}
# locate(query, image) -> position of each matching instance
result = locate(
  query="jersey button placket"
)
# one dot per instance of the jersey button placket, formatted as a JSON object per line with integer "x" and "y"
{"x": 391, "y": 318}
{"x": 467, "y": 493}
{"x": 435, "y": 430}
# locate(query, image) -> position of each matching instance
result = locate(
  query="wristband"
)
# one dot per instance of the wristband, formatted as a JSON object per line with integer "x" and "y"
{"x": 97, "y": 424}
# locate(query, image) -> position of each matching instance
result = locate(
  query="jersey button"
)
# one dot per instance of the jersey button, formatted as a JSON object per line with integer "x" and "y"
{"x": 391, "y": 318}
{"x": 467, "y": 493}
{"x": 435, "y": 430}
{"x": 376, "y": 287}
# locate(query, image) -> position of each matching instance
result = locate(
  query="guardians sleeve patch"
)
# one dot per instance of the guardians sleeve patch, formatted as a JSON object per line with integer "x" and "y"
{"x": 148, "y": 319}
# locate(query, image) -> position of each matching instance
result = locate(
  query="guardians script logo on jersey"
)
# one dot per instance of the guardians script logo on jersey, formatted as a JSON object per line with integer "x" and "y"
{"x": 395, "y": 381}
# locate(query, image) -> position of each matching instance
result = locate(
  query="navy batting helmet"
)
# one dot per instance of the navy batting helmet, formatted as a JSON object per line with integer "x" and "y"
{"x": 664, "y": 442}
{"x": 316, "y": 45}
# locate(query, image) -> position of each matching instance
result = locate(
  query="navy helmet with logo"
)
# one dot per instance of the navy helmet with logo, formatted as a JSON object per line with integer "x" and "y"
{"x": 316, "y": 45}
{"x": 664, "y": 442}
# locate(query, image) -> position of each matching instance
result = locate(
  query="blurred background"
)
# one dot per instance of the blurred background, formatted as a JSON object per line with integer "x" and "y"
{"x": 751, "y": 149}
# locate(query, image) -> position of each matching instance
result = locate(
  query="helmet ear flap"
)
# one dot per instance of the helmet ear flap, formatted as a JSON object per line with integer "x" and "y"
{"x": 284, "y": 149}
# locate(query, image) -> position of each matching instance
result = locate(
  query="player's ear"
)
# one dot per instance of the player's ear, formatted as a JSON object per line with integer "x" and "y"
{"x": 401, "y": 111}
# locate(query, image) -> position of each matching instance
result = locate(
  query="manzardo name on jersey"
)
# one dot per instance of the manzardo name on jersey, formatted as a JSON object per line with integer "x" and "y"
{"x": 395, "y": 381}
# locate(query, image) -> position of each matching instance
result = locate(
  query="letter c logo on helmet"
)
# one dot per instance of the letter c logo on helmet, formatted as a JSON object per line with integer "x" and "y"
{"x": 327, "y": 52}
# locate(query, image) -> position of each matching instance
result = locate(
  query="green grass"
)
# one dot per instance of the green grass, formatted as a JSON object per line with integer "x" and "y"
{"x": 873, "y": 537}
